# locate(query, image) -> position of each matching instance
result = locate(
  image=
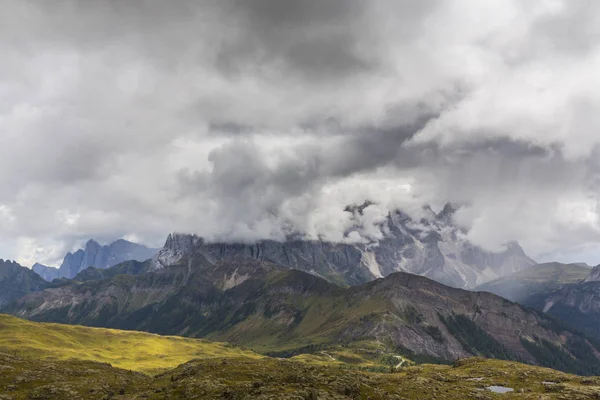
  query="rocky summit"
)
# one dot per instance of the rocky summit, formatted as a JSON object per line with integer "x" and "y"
{"x": 433, "y": 247}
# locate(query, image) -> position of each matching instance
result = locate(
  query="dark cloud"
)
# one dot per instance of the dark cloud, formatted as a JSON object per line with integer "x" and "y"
{"x": 315, "y": 39}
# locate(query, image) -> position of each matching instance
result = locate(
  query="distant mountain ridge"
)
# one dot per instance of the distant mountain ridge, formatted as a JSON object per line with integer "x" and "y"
{"x": 539, "y": 280}
{"x": 569, "y": 292}
{"x": 46, "y": 272}
{"x": 17, "y": 281}
{"x": 433, "y": 247}
{"x": 578, "y": 304}
{"x": 96, "y": 255}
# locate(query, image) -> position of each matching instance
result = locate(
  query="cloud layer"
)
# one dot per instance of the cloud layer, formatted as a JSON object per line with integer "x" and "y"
{"x": 250, "y": 119}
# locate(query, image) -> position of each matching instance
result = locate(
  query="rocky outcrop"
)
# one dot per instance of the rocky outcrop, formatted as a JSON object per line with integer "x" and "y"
{"x": 176, "y": 246}
{"x": 95, "y": 255}
{"x": 433, "y": 247}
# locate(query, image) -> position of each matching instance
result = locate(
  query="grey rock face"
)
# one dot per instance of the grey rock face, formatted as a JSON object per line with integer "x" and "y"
{"x": 95, "y": 255}
{"x": 176, "y": 246}
{"x": 46, "y": 272}
{"x": 433, "y": 247}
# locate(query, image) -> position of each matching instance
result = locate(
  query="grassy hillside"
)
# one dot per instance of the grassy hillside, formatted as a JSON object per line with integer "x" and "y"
{"x": 268, "y": 378}
{"x": 136, "y": 351}
{"x": 52, "y": 361}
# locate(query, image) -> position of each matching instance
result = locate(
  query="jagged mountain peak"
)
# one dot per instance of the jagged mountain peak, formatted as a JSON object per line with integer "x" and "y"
{"x": 436, "y": 249}
{"x": 96, "y": 255}
{"x": 92, "y": 243}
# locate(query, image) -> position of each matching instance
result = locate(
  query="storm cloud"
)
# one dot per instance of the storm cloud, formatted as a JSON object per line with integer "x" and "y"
{"x": 253, "y": 119}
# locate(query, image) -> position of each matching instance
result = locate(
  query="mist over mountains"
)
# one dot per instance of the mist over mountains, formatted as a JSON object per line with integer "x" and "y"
{"x": 434, "y": 247}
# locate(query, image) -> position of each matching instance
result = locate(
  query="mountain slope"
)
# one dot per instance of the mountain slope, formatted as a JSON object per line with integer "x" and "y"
{"x": 433, "y": 247}
{"x": 282, "y": 311}
{"x": 577, "y": 305}
{"x": 95, "y": 255}
{"x": 17, "y": 281}
{"x": 524, "y": 286}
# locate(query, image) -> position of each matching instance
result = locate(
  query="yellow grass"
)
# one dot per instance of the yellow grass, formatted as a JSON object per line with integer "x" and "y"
{"x": 137, "y": 351}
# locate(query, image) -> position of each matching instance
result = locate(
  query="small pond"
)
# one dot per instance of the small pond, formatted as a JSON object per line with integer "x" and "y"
{"x": 499, "y": 389}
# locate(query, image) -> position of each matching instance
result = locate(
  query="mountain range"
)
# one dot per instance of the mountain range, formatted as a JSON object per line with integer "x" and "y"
{"x": 95, "y": 255}
{"x": 433, "y": 247}
{"x": 283, "y": 311}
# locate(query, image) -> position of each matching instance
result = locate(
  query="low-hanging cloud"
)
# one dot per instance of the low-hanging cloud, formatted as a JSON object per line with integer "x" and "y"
{"x": 253, "y": 119}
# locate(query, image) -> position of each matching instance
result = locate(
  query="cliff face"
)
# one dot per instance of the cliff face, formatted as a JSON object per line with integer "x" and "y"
{"x": 433, "y": 247}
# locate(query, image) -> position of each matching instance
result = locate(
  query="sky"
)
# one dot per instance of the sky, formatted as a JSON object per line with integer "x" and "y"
{"x": 242, "y": 120}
